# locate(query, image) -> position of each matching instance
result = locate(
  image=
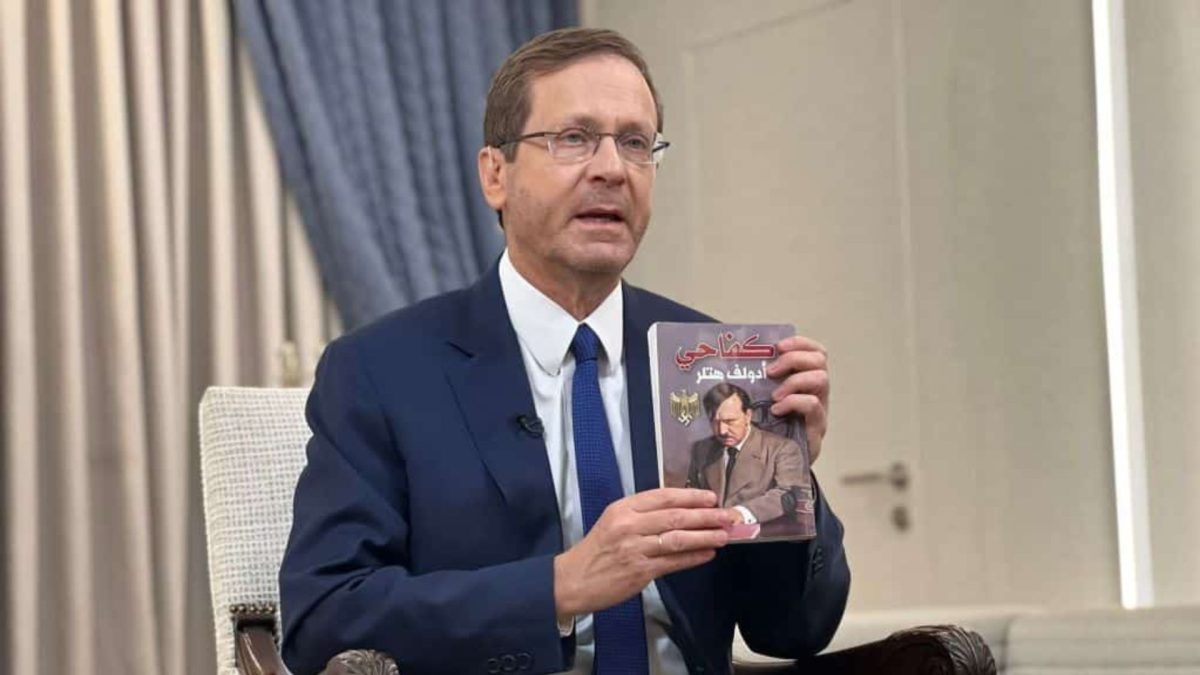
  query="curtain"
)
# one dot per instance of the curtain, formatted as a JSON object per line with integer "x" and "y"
{"x": 147, "y": 251}
{"x": 376, "y": 108}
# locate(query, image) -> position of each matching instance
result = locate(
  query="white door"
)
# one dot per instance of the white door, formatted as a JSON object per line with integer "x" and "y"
{"x": 911, "y": 183}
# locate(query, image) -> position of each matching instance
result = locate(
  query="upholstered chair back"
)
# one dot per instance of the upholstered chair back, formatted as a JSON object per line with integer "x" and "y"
{"x": 251, "y": 453}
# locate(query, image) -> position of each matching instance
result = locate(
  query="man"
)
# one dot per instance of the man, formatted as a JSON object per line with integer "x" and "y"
{"x": 749, "y": 469}
{"x": 480, "y": 488}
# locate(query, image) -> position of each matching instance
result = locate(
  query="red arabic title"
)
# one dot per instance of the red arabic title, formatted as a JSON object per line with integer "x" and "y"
{"x": 727, "y": 348}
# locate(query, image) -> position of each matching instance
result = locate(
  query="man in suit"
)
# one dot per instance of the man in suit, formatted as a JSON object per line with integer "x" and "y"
{"x": 481, "y": 488}
{"x": 749, "y": 469}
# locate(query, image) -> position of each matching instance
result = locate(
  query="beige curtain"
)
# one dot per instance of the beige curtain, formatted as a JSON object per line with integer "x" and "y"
{"x": 147, "y": 252}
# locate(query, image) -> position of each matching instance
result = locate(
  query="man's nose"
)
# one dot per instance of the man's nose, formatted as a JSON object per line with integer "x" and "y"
{"x": 607, "y": 164}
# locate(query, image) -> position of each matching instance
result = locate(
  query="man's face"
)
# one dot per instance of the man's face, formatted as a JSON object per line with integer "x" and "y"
{"x": 731, "y": 422}
{"x": 587, "y": 218}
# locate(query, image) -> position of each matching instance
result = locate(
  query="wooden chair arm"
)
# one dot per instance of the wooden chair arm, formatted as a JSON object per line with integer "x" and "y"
{"x": 256, "y": 652}
{"x": 361, "y": 662}
{"x": 258, "y": 655}
{"x": 948, "y": 650}
{"x": 254, "y": 645}
{"x": 257, "y": 648}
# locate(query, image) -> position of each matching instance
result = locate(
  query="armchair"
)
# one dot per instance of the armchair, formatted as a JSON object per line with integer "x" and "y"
{"x": 252, "y": 450}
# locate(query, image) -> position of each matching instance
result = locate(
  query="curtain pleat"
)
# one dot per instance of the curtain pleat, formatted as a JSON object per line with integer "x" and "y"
{"x": 222, "y": 242}
{"x": 165, "y": 399}
{"x": 123, "y": 444}
{"x": 148, "y": 251}
{"x": 265, "y": 203}
{"x": 21, "y": 469}
{"x": 376, "y": 109}
{"x": 70, "y": 343}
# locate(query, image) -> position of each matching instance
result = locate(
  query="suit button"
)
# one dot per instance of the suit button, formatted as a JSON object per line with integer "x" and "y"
{"x": 524, "y": 660}
{"x": 493, "y": 665}
{"x": 508, "y": 663}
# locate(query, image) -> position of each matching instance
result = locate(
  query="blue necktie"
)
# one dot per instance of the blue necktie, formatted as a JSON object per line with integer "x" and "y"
{"x": 620, "y": 630}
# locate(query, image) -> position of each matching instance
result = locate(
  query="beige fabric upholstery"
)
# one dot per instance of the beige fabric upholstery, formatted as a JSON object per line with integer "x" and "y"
{"x": 252, "y": 450}
{"x": 1164, "y": 640}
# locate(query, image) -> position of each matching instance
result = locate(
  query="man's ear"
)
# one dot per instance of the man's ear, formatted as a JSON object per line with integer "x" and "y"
{"x": 493, "y": 177}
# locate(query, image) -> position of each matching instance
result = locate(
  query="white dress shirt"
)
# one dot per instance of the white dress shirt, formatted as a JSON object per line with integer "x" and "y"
{"x": 544, "y": 331}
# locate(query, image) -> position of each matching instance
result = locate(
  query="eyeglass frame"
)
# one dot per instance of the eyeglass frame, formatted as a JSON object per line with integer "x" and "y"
{"x": 657, "y": 144}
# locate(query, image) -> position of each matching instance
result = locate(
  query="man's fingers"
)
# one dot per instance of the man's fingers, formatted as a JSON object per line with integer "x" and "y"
{"x": 679, "y": 541}
{"x": 804, "y": 404}
{"x": 815, "y": 418}
{"x": 655, "y": 522}
{"x": 794, "y": 362}
{"x": 799, "y": 342}
{"x": 802, "y": 370}
{"x": 814, "y": 382}
{"x": 675, "y": 542}
{"x": 671, "y": 498}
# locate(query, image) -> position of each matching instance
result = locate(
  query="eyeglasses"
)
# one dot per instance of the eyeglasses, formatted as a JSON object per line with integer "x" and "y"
{"x": 574, "y": 145}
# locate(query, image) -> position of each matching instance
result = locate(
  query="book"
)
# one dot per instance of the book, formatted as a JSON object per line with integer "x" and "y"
{"x": 715, "y": 430}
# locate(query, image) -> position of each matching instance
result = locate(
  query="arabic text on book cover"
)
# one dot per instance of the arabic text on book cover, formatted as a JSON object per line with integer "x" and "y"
{"x": 715, "y": 431}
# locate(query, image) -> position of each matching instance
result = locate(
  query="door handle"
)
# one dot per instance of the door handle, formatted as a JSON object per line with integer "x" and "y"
{"x": 896, "y": 475}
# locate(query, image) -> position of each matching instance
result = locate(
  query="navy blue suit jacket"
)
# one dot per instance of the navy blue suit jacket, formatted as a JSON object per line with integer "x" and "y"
{"x": 426, "y": 524}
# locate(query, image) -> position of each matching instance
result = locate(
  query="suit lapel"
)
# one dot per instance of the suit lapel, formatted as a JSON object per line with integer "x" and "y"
{"x": 750, "y": 464}
{"x": 637, "y": 387}
{"x": 714, "y": 472}
{"x": 492, "y": 391}
{"x": 641, "y": 434}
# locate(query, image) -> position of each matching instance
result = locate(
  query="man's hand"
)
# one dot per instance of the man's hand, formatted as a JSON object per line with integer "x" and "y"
{"x": 636, "y": 540}
{"x": 802, "y": 371}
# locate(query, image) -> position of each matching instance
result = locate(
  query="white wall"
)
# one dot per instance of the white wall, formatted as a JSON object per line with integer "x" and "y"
{"x": 1008, "y": 292}
{"x": 1163, "y": 39}
{"x": 988, "y": 241}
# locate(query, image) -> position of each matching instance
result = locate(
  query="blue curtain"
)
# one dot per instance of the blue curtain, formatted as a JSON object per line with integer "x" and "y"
{"x": 376, "y": 109}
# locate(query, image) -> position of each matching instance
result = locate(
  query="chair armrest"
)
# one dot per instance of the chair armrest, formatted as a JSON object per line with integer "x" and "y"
{"x": 361, "y": 662}
{"x": 928, "y": 649}
{"x": 254, "y": 644}
{"x": 258, "y": 653}
{"x": 948, "y": 650}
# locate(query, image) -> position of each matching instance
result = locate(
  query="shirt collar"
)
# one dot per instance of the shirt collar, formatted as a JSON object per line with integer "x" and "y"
{"x": 546, "y": 329}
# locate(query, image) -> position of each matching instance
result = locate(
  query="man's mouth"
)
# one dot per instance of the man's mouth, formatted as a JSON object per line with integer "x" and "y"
{"x": 601, "y": 215}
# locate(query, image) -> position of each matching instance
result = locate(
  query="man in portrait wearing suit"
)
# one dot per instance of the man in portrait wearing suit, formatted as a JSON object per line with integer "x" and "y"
{"x": 749, "y": 469}
{"x": 481, "y": 493}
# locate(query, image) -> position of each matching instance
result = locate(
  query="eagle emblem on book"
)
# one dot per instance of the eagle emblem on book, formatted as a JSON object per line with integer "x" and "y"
{"x": 685, "y": 406}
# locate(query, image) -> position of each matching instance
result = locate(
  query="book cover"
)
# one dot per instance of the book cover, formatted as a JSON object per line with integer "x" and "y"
{"x": 715, "y": 430}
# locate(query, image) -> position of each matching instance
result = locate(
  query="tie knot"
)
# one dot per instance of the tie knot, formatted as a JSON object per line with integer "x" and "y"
{"x": 585, "y": 345}
{"x": 733, "y": 451}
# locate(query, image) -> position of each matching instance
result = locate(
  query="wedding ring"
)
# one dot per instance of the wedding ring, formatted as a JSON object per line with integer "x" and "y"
{"x": 661, "y": 546}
